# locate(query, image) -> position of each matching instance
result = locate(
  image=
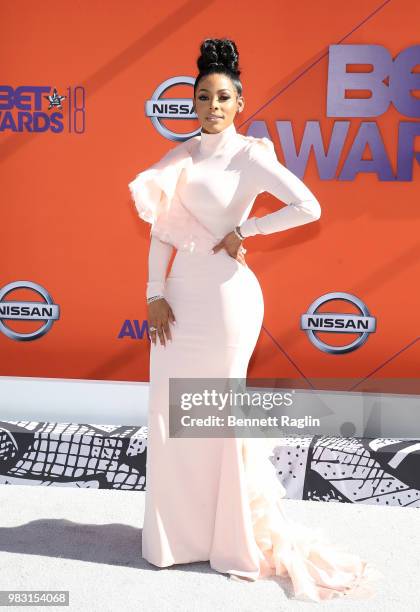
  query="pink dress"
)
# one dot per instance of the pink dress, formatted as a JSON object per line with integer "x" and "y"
{"x": 219, "y": 499}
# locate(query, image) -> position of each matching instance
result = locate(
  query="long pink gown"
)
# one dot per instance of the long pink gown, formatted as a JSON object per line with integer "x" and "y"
{"x": 219, "y": 499}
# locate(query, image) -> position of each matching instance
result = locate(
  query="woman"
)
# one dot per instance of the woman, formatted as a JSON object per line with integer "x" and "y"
{"x": 218, "y": 499}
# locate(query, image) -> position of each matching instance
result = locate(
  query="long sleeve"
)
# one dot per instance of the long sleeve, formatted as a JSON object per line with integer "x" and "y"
{"x": 270, "y": 175}
{"x": 159, "y": 255}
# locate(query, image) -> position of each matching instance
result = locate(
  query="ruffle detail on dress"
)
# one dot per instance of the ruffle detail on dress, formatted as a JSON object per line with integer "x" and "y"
{"x": 154, "y": 194}
{"x": 183, "y": 230}
{"x": 317, "y": 569}
{"x": 153, "y": 189}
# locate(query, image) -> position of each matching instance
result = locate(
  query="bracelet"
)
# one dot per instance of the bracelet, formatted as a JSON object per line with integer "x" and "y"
{"x": 154, "y": 297}
{"x": 237, "y": 231}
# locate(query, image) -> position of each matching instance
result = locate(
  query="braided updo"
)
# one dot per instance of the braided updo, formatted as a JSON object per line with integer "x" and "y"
{"x": 219, "y": 55}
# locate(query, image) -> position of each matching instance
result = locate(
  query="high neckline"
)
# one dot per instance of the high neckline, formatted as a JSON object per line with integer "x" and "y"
{"x": 210, "y": 143}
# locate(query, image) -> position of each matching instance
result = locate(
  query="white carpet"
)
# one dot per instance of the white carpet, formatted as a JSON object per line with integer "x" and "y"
{"x": 89, "y": 542}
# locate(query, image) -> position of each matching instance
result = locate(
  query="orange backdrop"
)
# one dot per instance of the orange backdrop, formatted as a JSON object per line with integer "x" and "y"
{"x": 68, "y": 222}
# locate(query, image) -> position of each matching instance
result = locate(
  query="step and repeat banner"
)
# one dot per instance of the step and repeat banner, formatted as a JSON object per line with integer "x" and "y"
{"x": 93, "y": 93}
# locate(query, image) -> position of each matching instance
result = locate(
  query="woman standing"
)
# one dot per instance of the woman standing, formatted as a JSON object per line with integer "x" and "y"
{"x": 218, "y": 499}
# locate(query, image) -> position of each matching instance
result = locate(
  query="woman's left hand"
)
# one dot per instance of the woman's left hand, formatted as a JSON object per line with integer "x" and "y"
{"x": 233, "y": 246}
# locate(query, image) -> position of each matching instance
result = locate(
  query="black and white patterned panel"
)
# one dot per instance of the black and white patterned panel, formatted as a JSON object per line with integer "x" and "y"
{"x": 69, "y": 454}
{"x": 321, "y": 468}
{"x": 364, "y": 470}
{"x": 349, "y": 470}
{"x": 290, "y": 459}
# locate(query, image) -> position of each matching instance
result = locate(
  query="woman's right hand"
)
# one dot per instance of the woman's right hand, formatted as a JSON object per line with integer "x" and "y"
{"x": 159, "y": 315}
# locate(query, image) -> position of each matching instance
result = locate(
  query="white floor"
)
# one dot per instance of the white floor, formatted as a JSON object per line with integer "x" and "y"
{"x": 88, "y": 542}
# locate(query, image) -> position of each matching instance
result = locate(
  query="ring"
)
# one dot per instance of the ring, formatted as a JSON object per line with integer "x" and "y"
{"x": 151, "y": 328}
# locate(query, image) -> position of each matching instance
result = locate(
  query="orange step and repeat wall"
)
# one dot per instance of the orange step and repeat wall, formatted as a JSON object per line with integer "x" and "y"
{"x": 94, "y": 92}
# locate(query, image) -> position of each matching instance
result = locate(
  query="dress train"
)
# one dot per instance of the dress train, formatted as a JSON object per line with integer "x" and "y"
{"x": 317, "y": 569}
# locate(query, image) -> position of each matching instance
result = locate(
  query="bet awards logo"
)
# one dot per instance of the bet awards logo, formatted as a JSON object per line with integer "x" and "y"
{"x": 338, "y": 323}
{"x": 44, "y": 311}
{"x": 40, "y": 108}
